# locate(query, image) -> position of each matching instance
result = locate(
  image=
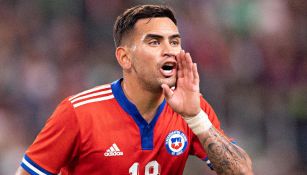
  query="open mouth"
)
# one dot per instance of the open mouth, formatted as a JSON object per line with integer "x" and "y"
{"x": 168, "y": 69}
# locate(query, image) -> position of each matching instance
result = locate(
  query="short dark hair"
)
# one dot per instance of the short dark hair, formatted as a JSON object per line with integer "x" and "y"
{"x": 125, "y": 22}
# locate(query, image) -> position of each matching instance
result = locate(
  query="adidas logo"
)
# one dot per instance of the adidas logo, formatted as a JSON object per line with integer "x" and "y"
{"x": 113, "y": 151}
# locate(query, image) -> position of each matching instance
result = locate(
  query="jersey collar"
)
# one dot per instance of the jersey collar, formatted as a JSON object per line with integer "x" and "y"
{"x": 131, "y": 109}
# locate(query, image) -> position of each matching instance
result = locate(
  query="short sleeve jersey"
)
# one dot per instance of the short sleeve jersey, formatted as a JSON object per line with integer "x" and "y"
{"x": 99, "y": 132}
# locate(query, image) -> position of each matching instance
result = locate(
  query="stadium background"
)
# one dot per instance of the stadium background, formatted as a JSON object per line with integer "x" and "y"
{"x": 252, "y": 56}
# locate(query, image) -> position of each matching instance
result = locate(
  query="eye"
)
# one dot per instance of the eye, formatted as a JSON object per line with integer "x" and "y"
{"x": 154, "y": 43}
{"x": 175, "y": 43}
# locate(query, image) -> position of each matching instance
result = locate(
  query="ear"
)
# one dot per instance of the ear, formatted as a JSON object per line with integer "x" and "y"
{"x": 123, "y": 58}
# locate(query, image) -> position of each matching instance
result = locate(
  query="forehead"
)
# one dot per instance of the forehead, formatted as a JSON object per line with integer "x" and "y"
{"x": 162, "y": 26}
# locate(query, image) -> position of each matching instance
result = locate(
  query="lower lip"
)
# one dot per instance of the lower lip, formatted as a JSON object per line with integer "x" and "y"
{"x": 168, "y": 73}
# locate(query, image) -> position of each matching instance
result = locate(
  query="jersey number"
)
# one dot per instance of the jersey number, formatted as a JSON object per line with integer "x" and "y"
{"x": 152, "y": 168}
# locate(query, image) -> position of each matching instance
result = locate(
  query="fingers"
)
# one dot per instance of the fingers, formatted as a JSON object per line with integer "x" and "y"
{"x": 195, "y": 74}
{"x": 186, "y": 68}
{"x": 189, "y": 66}
{"x": 179, "y": 62}
{"x": 168, "y": 93}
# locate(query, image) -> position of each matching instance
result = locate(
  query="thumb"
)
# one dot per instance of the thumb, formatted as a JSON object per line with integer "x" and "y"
{"x": 168, "y": 93}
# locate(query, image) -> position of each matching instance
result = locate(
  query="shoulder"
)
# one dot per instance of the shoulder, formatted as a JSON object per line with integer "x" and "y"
{"x": 96, "y": 94}
{"x": 81, "y": 110}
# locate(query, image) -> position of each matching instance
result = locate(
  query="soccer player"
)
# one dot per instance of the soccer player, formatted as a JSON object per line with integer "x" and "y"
{"x": 146, "y": 123}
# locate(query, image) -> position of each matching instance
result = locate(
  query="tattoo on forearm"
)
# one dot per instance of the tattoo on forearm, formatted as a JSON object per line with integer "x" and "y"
{"x": 225, "y": 157}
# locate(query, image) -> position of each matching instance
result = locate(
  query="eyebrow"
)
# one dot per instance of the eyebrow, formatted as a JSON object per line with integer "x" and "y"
{"x": 156, "y": 36}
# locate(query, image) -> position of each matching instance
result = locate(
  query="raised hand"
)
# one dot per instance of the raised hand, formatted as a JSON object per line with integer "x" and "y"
{"x": 184, "y": 99}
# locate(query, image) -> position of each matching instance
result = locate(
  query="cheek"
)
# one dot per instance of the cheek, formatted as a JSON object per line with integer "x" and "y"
{"x": 147, "y": 57}
{"x": 145, "y": 67}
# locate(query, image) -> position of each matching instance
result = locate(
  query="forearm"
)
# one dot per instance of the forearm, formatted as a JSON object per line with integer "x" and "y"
{"x": 227, "y": 158}
{"x": 185, "y": 100}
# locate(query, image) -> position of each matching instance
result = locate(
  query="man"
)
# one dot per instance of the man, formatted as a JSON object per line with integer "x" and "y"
{"x": 146, "y": 123}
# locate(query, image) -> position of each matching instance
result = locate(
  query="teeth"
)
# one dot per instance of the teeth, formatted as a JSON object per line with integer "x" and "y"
{"x": 167, "y": 71}
{"x": 169, "y": 64}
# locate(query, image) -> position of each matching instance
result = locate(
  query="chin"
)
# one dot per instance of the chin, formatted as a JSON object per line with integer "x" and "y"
{"x": 171, "y": 82}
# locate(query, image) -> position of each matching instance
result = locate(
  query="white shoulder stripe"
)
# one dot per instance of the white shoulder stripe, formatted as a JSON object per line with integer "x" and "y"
{"x": 91, "y": 90}
{"x": 92, "y": 95}
{"x": 32, "y": 167}
{"x": 93, "y": 100}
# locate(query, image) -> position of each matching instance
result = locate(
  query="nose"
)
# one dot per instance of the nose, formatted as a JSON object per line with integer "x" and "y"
{"x": 170, "y": 51}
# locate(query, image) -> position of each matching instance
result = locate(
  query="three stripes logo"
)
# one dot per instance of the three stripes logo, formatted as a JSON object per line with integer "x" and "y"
{"x": 113, "y": 151}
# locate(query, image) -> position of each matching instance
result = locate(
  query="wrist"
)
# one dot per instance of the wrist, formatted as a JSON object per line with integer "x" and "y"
{"x": 199, "y": 123}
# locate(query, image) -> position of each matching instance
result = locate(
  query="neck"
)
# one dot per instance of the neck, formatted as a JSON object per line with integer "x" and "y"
{"x": 146, "y": 102}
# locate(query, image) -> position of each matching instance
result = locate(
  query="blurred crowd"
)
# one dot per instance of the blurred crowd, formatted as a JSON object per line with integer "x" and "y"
{"x": 252, "y": 57}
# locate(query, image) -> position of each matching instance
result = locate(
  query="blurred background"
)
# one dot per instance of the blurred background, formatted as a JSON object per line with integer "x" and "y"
{"x": 252, "y": 56}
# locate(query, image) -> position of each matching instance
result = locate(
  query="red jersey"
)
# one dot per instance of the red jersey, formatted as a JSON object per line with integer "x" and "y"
{"x": 100, "y": 132}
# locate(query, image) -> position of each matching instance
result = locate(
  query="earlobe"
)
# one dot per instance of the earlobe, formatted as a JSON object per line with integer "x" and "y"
{"x": 123, "y": 58}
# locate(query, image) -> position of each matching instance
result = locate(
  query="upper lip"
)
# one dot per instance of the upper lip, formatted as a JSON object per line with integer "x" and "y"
{"x": 170, "y": 63}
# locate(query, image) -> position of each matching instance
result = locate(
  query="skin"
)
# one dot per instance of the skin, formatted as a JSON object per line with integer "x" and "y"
{"x": 225, "y": 156}
{"x": 152, "y": 46}
{"x": 153, "y": 43}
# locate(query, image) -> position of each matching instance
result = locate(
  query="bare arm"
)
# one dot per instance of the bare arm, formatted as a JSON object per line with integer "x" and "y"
{"x": 226, "y": 157}
{"x": 21, "y": 171}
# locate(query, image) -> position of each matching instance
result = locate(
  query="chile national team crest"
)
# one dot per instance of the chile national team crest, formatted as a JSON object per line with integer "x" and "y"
{"x": 176, "y": 142}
